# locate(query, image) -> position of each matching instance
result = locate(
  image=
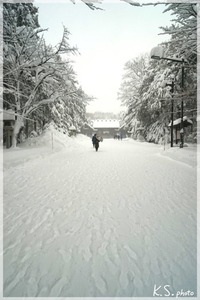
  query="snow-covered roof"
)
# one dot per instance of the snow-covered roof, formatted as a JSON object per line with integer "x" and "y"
{"x": 8, "y": 114}
{"x": 178, "y": 121}
{"x": 72, "y": 127}
{"x": 123, "y": 125}
{"x": 105, "y": 123}
{"x": 89, "y": 125}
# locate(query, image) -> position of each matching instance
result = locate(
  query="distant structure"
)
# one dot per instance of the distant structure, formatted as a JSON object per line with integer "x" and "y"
{"x": 177, "y": 126}
{"x": 107, "y": 128}
{"x": 87, "y": 129}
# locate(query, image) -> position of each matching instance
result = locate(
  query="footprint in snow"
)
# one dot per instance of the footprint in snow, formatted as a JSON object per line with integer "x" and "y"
{"x": 107, "y": 234}
{"x": 131, "y": 252}
{"x": 100, "y": 283}
{"x": 56, "y": 233}
{"x": 123, "y": 279}
{"x": 113, "y": 269}
{"x": 26, "y": 256}
{"x": 45, "y": 217}
{"x": 43, "y": 292}
{"x": 87, "y": 255}
{"x": 32, "y": 287}
{"x": 66, "y": 255}
{"x": 102, "y": 249}
{"x": 57, "y": 287}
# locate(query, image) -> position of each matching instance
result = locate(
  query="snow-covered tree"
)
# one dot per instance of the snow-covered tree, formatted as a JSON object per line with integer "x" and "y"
{"x": 90, "y": 3}
{"x": 183, "y": 30}
{"x": 34, "y": 73}
{"x": 129, "y": 93}
{"x": 148, "y": 100}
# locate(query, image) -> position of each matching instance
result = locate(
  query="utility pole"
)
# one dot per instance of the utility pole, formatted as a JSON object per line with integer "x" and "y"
{"x": 172, "y": 111}
{"x": 158, "y": 53}
{"x": 182, "y": 87}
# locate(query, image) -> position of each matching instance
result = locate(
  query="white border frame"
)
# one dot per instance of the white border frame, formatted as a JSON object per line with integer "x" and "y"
{"x": 1, "y": 146}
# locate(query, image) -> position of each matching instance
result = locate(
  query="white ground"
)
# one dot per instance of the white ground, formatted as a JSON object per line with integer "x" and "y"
{"x": 118, "y": 222}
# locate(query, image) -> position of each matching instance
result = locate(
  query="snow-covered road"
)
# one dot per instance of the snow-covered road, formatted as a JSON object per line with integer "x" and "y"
{"x": 119, "y": 222}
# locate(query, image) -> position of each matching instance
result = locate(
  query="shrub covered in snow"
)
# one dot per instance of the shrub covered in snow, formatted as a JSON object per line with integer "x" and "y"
{"x": 33, "y": 134}
{"x": 155, "y": 133}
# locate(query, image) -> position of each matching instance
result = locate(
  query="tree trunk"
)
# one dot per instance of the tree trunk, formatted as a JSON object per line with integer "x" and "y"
{"x": 18, "y": 125}
{"x": 27, "y": 128}
{"x": 18, "y": 119}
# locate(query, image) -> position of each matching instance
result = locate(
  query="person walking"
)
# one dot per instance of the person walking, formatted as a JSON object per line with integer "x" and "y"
{"x": 95, "y": 140}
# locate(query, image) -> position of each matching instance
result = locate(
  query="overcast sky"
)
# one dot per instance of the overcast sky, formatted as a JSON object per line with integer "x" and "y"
{"x": 106, "y": 41}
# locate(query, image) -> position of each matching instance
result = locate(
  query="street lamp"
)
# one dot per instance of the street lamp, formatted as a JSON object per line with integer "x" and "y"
{"x": 158, "y": 53}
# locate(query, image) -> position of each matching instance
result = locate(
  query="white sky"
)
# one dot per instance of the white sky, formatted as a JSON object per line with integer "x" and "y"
{"x": 106, "y": 41}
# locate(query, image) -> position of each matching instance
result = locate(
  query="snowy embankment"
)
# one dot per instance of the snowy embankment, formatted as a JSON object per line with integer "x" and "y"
{"x": 119, "y": 222}
{"x": 49, "y": 142}
{"x": 186, "y": 155}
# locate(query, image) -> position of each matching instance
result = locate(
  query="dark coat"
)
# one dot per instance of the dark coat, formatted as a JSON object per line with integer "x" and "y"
{"x": 93, "y": 139}
{"x": 95, "y": 142}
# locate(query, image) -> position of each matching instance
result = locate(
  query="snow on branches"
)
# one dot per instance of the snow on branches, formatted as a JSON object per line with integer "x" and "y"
{"x": 148, "y": 100}
{"x": 35, "y": 74}
{"x": 90, "y": 3}
{"x": 183, "y": 30}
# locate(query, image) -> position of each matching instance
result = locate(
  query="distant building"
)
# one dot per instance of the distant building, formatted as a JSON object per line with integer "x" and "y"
{"x": 123, "y": 130}
{"x": 87, "y": 129}
{"x": 106, "y": 128}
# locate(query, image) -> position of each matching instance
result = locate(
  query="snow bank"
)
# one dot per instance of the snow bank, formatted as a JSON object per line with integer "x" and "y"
{"x": 49, "y": 138}
{"x": 49, "y": 142}
{"x": 186, "y": 155}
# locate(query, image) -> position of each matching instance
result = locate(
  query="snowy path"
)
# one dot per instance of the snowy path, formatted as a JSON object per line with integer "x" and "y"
{"x": 112, "y": 223}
